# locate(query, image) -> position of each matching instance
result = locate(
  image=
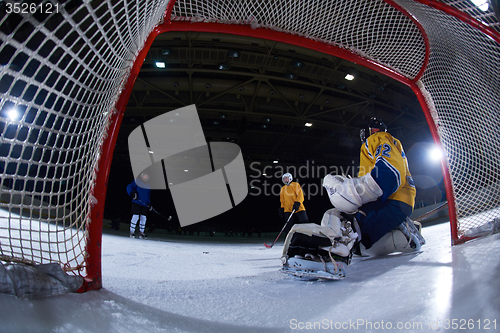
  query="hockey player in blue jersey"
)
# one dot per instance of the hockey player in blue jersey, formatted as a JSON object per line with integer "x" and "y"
{"x": 140, "y": 191}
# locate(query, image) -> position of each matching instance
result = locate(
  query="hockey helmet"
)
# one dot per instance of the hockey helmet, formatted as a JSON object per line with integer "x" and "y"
{"x": 376, "y": 125}
{"x": 289, "y": 178}
{"x": 144, "y": 176}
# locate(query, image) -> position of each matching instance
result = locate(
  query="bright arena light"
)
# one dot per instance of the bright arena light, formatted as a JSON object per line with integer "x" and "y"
{"x": 436, "y": 154}
{"x": 13, "y": 114}
{"x": 481, "y": 4}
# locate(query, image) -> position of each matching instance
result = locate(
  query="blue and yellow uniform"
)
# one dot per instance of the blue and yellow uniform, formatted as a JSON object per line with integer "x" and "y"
{"x": 383, "y": 156}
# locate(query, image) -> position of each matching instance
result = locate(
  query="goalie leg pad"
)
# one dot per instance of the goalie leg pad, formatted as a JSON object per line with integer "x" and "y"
{"x": 319, "y": 252}
{"x": 392, "y": 242}
{"x": 331, "y": 219}
{"x": 320, "y": 240}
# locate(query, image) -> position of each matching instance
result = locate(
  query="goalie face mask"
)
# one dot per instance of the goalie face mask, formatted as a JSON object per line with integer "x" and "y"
{"x": 287, "y": 178}
{"x": 376, "y": 125}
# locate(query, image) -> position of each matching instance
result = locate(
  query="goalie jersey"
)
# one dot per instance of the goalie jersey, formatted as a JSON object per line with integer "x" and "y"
{"x": 383, "y": 156}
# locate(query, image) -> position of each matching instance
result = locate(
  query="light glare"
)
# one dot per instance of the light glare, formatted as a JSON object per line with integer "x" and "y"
{"x": 481, "y": 4}
{"x": 13, "y": 114}
{"x": 436, "y": 154}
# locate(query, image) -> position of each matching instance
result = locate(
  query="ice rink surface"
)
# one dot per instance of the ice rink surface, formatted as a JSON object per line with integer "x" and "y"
{"x": 202, "y": 284}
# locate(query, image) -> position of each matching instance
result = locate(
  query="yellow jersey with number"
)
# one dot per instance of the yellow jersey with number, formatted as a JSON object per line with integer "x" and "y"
{"x": 383, "y": 156}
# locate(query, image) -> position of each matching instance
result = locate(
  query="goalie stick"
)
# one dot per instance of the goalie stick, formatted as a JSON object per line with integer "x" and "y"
{"x": 431, "y": 212}
{"x": 270, "y": 246}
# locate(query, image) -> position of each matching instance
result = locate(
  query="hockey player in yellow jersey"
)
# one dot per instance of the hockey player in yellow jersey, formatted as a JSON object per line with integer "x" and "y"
{"x": 292, "y": 200}
{"x": 384, "y": 154}
{"x": 381, "y": 197}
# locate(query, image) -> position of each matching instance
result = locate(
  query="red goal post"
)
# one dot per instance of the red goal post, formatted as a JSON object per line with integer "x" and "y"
{"x": 55, "y": 159}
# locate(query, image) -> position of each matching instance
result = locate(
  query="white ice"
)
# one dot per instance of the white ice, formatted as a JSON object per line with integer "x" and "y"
{"x": 201, "y": 284}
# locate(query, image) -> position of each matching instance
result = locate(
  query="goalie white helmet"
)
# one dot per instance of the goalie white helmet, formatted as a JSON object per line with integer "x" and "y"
{"x": 287, "y": 178}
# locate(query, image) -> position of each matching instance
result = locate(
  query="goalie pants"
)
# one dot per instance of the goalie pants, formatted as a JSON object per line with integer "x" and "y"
{"x": 139, "y": 213}
{"x": 301, "y": 217}
{"x": 380, "y": 218}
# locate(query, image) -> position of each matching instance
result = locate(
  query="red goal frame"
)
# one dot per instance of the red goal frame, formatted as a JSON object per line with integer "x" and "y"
{"x": 94, "y": 278}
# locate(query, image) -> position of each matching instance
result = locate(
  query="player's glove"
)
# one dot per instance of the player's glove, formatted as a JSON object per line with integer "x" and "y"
{"x": 150, "y": 208}
{"x": 348, "y": 194}
{"x": 296, "y": 206}
{"x": 134, "y": 195}
{"x": 281, "y": 212}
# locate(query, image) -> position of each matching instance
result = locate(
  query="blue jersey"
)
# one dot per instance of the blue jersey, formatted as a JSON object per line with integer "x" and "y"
{"x": 143, "y": 192}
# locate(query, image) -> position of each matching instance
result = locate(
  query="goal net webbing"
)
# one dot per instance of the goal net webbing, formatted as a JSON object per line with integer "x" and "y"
{"x": 62, "y": 74}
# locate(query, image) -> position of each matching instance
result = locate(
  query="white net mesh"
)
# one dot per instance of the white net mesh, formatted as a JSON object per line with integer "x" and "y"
{"x": 61, "y": 75}
{"x": 462, "y": 79}
{"x": 372, "y": 29}
{"x": 483, "y": 14}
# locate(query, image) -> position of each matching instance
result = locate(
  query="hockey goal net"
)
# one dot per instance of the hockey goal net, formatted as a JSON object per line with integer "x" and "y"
{"x": 67, "y": 69}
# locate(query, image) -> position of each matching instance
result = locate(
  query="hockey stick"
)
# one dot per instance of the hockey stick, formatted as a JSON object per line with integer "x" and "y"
{"x": 270, "y": 246}
{"x": 153, "y": 210}
{"x": 167, "y": 218}
{"x": 431, "y": 212}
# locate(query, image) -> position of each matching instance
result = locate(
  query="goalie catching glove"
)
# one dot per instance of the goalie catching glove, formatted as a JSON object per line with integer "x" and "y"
{"x": 348, "y": 194}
